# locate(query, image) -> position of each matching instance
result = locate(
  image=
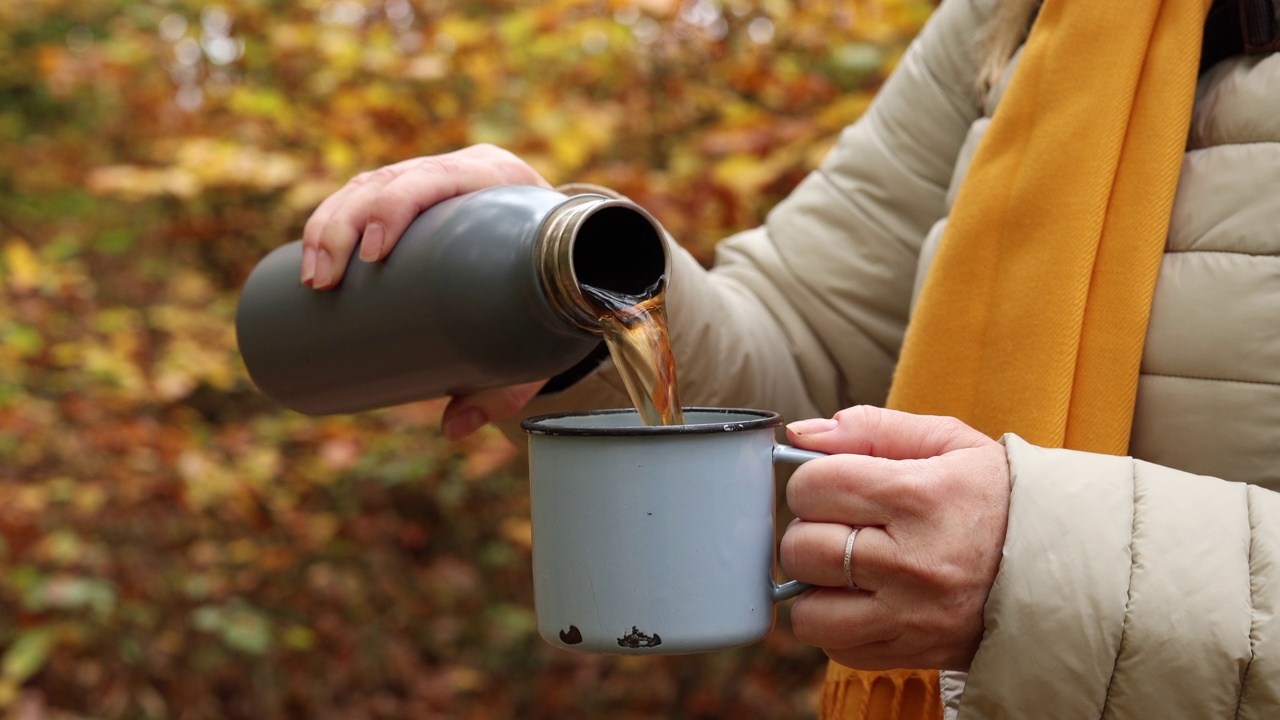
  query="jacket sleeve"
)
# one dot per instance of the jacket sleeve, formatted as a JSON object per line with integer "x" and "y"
{"x": 805, "y": 314}
{"x": 1130, "y": 590}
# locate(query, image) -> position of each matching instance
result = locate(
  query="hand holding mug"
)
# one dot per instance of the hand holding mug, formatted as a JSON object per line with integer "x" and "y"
{"x": 929, "y": 497}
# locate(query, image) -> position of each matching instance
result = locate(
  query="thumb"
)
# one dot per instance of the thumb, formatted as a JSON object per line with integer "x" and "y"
{"x": 878, "y": 432}
{"x": 467, "y": 413}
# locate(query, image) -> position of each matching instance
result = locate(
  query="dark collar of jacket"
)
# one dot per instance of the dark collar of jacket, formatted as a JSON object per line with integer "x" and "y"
{"x": 1240, "y": 27}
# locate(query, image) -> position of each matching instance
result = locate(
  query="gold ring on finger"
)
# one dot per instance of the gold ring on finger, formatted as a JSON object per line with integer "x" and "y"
{"x": 848, "y": 559}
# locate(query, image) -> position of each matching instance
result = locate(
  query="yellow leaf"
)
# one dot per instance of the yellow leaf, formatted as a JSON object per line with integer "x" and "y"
{"x": 220, "y": 163}
{"x": 519, "y": 531}
{"x": 8, "y": 692}
{"x": 134, "y": 182}
{"x": 88, "y": 499}
{"x": 743, "y": 174}
{"x": 30, "y": 499}
{"x": 427, "y": 67}
{"x": 243, "y": 551}
{"x": 306, "y": 194}
{"x": 340, "y": 157}
{"x": 659, "y": 8}
{"x": 465, "y": 679}
{"x": 463, "y": 31}
{"x": 21, "y": 266}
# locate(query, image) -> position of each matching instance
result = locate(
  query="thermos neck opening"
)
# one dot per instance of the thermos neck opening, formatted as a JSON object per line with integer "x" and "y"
{"x": 618, "y": 249}
{"x": 605, "y": 243}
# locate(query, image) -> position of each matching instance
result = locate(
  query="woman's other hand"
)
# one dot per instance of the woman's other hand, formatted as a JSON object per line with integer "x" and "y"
{"x": 374, "y": 208}
{"x": 931, "y": 498}
{"x": 466, "y": 413}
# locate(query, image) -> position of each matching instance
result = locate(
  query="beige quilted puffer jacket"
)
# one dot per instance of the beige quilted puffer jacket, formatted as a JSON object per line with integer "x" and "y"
{"x": 1143, "y": 587}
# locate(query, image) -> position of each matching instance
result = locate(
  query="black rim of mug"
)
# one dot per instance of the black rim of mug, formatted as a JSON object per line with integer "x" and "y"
{"x": 755, "y": 420}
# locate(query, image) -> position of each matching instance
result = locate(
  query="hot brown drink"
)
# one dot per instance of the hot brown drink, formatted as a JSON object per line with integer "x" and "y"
{"x": 635, "y": 331}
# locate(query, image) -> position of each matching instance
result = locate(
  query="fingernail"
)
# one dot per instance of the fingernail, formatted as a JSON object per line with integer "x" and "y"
{"x": 308, "y": 265}
{"x": 812, "y": 426}
{"x": 324, "y": 269}
{"x": 371, "y": 243}
{"x": 464, "y": 423}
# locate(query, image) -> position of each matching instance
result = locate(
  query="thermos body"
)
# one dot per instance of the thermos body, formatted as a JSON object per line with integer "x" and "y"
{"x": 480, "y": 291}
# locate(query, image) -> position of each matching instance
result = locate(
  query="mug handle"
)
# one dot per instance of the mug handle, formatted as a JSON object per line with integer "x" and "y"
{"x": 786, "y": 453}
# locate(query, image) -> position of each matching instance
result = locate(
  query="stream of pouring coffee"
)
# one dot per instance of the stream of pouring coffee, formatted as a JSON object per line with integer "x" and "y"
{"x": 635, "y": 331}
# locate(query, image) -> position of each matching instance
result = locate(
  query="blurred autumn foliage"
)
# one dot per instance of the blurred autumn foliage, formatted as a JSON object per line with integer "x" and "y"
{"x": 172, "y": 545}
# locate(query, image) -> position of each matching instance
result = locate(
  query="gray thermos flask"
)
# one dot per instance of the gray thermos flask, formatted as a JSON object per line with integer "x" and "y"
{"x": 483, "y": 290}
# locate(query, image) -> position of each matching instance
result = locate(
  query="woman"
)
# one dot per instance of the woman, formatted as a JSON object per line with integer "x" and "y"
{"x": 1107, "y": 279}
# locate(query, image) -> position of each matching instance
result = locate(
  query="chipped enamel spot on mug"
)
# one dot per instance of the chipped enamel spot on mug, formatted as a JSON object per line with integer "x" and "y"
{"x": 572, "y": 636}
{"x": 636, "y": 639}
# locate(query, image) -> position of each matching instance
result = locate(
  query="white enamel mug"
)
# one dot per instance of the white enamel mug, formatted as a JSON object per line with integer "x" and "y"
{"x": 655, "y": 540}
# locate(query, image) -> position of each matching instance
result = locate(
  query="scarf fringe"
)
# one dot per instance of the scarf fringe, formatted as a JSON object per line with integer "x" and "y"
{"x": 880, "y": 695}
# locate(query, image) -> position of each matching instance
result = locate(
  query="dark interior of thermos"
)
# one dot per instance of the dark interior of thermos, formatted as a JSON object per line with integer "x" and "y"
{"x": 620, "y": 250}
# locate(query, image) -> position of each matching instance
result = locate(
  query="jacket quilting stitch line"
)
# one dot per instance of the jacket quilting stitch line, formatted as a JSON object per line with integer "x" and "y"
{"x": 882, "y": 133}
{"x": 1213, "y": 380}
{"x": 1253, "y": 617}
{"x": 1128, "y": 603}
{"x": 1259, "y": 256}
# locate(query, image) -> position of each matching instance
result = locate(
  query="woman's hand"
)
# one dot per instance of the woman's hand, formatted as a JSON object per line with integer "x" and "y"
{"x": 466, "y": 413}
{"x": 376, "y": 207}
{"x": 931, "y": 496}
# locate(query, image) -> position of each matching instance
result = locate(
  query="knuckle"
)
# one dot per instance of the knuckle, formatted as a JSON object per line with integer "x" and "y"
{"x": 337, "y": 236}
{"x": 804, "y": 624}
{"x": 327, "y": 238}
{"x": 955, "y": 431}
{"x": 492, "y": 151}
{"x": 856, "y": 415}
{"x": 379, "y": 176}
{"x": 802, "y": 493}
{"x": 919, "y": 493}
{"x": 788, "y": 553}
{"x": 794, "y": 491}
{"x": 311, "y": 231}
{"x": 501, "y": 403}
{"x": 438, "y": 165}
{"x": 510, "y": 400}
{"x": 948, "y": 579}
{"x": 862, "y": 420}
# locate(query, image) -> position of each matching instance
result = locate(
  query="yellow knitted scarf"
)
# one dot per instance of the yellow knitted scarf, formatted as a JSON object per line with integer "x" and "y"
{"x": 1033, "y": 316}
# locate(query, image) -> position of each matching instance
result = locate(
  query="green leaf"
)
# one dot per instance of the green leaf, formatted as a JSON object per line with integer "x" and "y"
{"x": 299, "y": 637}
{"x": 239, "y": 626}
{"x": 248, "y": 631}
{"x": 24, "y": 339}
{"x": 27, "y": 654}
{"x": 116, "y": 241}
